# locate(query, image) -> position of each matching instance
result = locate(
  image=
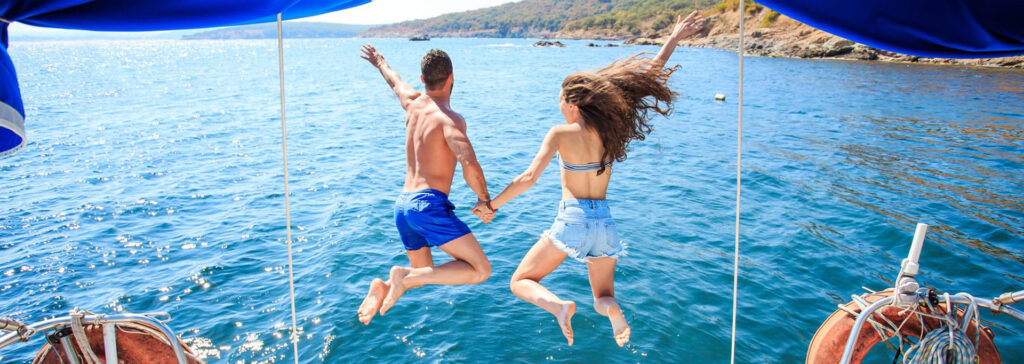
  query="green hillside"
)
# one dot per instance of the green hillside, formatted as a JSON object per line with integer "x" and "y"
{"x": 545, "y": 17}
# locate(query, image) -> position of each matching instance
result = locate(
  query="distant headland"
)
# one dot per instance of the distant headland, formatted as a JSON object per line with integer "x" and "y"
{"x": 768, "y": 33}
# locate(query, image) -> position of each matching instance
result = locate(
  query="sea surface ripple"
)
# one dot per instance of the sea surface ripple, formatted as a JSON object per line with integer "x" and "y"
{"x": 153, "y": 181}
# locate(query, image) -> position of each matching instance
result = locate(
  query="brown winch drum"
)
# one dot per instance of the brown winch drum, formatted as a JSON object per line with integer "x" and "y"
{"x": 830, "y": 340}
{"x": 133, "y": 346}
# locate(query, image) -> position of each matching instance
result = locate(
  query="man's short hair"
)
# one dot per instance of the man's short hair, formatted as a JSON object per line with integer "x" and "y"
{"x": 435, "y": 68}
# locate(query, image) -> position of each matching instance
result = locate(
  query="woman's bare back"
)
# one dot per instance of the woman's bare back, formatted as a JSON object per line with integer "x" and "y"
{"x": 580, "y": 145}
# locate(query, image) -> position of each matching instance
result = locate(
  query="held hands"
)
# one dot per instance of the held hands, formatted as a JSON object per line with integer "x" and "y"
{"x": 686, "y": 27}
{"x": 371, "y": 55}
{"x": 482, "y": 211}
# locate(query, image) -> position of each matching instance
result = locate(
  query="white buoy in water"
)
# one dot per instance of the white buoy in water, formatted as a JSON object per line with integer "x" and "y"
{"x": 719, "y": 97}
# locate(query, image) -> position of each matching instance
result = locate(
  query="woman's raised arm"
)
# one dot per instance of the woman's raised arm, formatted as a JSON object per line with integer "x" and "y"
{"x": 683, "y": 29}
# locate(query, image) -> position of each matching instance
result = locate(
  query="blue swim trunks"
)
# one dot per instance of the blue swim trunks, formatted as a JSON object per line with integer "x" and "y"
{"x": 426, "y": 218}
{"x": 585, "y": 229}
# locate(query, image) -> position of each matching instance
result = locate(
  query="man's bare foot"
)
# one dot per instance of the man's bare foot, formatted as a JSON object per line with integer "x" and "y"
{"x": 397, "y": 288}
{"x": 373, "y": 300}
{"x": 565, "y": 319}
{"x": 619, "y": 325}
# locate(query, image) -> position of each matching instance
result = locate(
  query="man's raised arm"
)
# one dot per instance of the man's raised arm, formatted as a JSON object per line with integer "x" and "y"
{"x": 404, "y": 91}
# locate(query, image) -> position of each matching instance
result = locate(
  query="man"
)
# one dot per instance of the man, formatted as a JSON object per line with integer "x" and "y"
{"x": 435, "y": 138}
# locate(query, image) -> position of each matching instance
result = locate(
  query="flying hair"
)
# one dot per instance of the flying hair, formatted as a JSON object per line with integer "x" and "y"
{"x": 617, "y": 101}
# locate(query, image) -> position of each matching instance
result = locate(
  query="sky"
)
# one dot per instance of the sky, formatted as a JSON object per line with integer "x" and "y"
{"x": 394, "y": 11}
{"x": 376, "y": 12}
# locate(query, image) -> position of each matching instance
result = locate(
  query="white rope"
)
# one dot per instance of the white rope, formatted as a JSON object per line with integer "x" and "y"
{"x": 949, "y": 343}
{"x": 81, "y": 338}
{"x": 739, "y": 156}
{"x": 294, "y": 337}
{"x": 938, "y": 348}
{"x": 5, "y": 20}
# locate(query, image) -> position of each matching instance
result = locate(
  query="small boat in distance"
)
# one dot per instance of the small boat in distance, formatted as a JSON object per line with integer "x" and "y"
{"x": 419, "y": 38}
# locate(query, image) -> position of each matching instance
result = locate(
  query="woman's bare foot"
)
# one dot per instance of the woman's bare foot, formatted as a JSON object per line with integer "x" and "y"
{"x": 564, "y": 317}
{"x": 397, "y": 288}
{"x": 373, "y": 300}
{"x": 619, "y": 325}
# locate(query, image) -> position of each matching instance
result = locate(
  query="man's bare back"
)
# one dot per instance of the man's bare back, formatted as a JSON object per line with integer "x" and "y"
{"x": 430, "y": 163}
{"x": 435, "y": 139}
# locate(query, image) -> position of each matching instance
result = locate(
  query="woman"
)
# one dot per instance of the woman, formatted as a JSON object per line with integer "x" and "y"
{"x": 604, "y": 110}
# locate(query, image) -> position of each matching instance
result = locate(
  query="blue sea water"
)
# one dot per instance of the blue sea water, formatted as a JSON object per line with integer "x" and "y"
{"x": 152, "y": 181}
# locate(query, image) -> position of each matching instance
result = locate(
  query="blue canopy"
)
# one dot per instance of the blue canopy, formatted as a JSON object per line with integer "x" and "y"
{"x": 926, "y": 28}
{"x": 929, "y": 28}
{"x": 130, "y": 15}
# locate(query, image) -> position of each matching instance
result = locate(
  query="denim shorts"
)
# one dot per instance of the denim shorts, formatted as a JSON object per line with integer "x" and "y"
{"x": 585, "y": 229}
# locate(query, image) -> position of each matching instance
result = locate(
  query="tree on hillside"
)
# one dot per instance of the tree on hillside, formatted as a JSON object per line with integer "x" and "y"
{"x": 541, "y": 17}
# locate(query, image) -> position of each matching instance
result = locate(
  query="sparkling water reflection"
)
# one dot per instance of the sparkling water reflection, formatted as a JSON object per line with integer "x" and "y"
{"x": 152, "y": 182}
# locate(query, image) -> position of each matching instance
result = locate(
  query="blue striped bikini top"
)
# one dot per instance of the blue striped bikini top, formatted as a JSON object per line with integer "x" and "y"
{"x": 578, "y": 167}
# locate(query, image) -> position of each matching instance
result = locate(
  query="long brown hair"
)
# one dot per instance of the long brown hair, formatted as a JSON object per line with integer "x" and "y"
{"x": 616, "y": 101}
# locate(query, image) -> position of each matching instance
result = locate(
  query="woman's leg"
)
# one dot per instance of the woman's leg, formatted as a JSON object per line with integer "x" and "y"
{"x": 541, "y": 260}
{"x": 602, "y": 283}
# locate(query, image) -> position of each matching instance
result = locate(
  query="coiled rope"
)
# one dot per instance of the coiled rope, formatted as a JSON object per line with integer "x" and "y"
{"x": 294, "y": 337}
{"x": 945, "y": 345}
{"x": 948, "y": 344}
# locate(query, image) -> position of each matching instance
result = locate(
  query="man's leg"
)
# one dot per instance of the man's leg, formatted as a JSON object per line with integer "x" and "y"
{"x": 470, "y": 266}
{"x": 420, "y": 258}
{"x": 379, "y": 289}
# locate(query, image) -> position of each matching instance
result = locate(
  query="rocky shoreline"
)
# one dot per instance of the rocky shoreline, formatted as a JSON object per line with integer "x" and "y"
{"x": 767, "y": 34}
{"x": 785, "y": 37}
